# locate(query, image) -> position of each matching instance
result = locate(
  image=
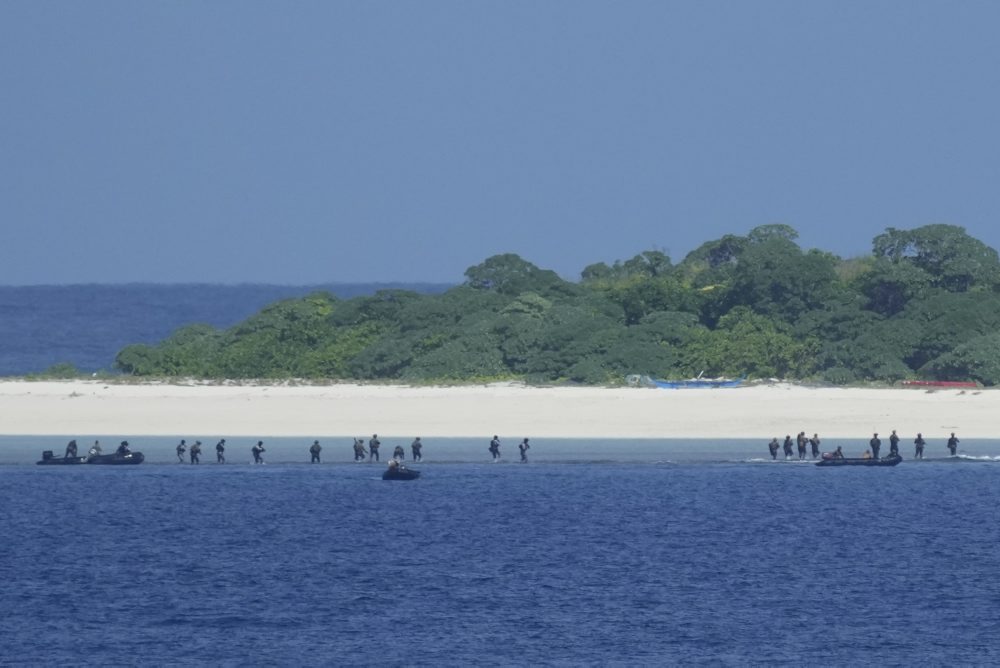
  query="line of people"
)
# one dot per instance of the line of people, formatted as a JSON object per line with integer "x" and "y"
{"x": 874, "y": 445}
{"x": 192, "y": 452}
{"x": 801, "y": 441}
{"x": 371, "y": 453}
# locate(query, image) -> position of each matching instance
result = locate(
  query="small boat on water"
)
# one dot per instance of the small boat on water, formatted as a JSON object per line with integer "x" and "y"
{"x": 49, "y": 459}
{"x": 114, "y": 459}
{"x": 400, "y": 472}
{"x": 117, "y": 459}
{"x": 830, "y": 460}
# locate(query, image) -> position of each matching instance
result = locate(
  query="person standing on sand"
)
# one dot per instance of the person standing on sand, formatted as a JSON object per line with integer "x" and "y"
{"x": 952, "y": 444}
{"x": 875, "y": 444}
{"x": 373, "y": 445}
{"x": 814, "y": 442}
{"x": 415, "y": 448}
{"x": 495, "y": 448}
{"x": 181, "y": 449}
{"x": 919, "y": 443}
{"x": 893, "y": 444}
{"x": 220, "y": 451}
{"x": 523, "y": 447}
{"x": 314, "y": 451}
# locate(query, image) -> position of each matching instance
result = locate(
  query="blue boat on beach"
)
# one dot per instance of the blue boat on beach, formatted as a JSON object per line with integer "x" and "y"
{"x": 690, "y": 383}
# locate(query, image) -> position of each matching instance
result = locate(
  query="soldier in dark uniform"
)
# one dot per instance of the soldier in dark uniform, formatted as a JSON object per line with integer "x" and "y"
{"x": 415, "y": 448}
{"x": 71, "y": 449}
{"x": 523, "y": 447}
{"x": 893, "y": 444}
{"x": 220, "y": 451}
{"x": 314, "y": 451}
{"x": 181, "y": 449}
{"x": 787, "y": 446}
{"x": 773, "y": 448}
{"x": 814, "y": 442}
{"x": 919, "y": 443}
{"x": 359, "y": 450}
{"x": 875, "y": 443}
{"x": 495, "y": 448}
{"x": 800, "y": 442}
{"x": 196, "y": 452}
{"x": 952, "y": 444}
{"x": 373, "y": 448}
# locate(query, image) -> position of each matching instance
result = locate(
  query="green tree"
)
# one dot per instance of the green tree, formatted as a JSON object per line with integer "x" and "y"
{"x": 977, "y": 359}
{"x": 956, "y": 261}
{"x": 747, "y": 343}
{"x": 510, "y": 275}
{"x": 777, "y": 279}
{"x": 889, "y": 286}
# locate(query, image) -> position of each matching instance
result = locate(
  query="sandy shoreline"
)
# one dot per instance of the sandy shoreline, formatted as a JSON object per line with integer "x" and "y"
{"x": 96, "y": 408}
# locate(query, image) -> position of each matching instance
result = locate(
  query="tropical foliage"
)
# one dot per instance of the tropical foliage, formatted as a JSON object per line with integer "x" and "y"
{"x": 924, "y": 304}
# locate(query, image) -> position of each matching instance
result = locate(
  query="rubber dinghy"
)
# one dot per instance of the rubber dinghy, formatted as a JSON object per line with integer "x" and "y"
{"x": 117, "y": 459}
{"x": 114, "y": 459}
{"x": 49, "y": 459}
{"x": 400, "y": 472}
{"x": 827, "y": 460}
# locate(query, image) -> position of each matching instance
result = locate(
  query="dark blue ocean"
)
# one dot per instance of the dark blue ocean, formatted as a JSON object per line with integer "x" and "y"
{"x": 631, "y": 553}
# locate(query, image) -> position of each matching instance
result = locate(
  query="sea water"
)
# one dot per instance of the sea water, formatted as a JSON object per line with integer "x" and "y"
{"x": 592, "y": 553}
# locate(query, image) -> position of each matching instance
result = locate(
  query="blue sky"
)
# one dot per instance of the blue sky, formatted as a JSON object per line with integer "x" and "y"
{"x": 306, "y": 142}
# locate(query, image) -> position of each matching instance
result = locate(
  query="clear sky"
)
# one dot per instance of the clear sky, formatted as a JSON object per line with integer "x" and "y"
{"x": 332, "y": 141}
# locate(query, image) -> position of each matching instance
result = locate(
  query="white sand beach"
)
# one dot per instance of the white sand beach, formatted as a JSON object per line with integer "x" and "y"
{"x": 84, "y": 408}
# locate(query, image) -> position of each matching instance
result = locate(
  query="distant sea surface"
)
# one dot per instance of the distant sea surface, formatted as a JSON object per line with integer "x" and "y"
{"x": 587, "y": 555}
{"x": 87, "y": 325}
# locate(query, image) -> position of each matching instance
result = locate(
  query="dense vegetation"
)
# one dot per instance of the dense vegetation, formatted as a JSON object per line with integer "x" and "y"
{"x": 925, "y": 304}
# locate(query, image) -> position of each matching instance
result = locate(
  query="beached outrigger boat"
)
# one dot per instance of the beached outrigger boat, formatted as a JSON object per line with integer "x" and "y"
{"x": 829, "y": 460}
{"x": 698, "y": 383}
{"x": 959, "y": 384}
{"x": 636, "y": 380}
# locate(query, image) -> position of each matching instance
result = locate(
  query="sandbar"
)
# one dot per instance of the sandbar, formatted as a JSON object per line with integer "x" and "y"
{"x": 96, "y": 407}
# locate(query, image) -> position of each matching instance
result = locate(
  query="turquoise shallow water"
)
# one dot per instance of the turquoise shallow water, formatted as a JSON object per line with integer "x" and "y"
{"x": 654, "y": 556}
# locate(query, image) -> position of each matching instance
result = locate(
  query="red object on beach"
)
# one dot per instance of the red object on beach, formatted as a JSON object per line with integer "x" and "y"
{"x": 941, "y": 383}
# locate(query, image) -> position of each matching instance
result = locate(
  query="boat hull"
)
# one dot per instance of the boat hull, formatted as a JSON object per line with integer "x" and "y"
{"x": 48, "y": 460}
{"x": 400, "y": 474}
{"x": 131, "y": 458}
{"x": 859, "y": 461}
{"x": 114, "y": 459}
{"x": 698, "y": 383}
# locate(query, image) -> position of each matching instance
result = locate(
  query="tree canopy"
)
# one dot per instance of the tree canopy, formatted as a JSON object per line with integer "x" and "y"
{"x": 924, "y": 304}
